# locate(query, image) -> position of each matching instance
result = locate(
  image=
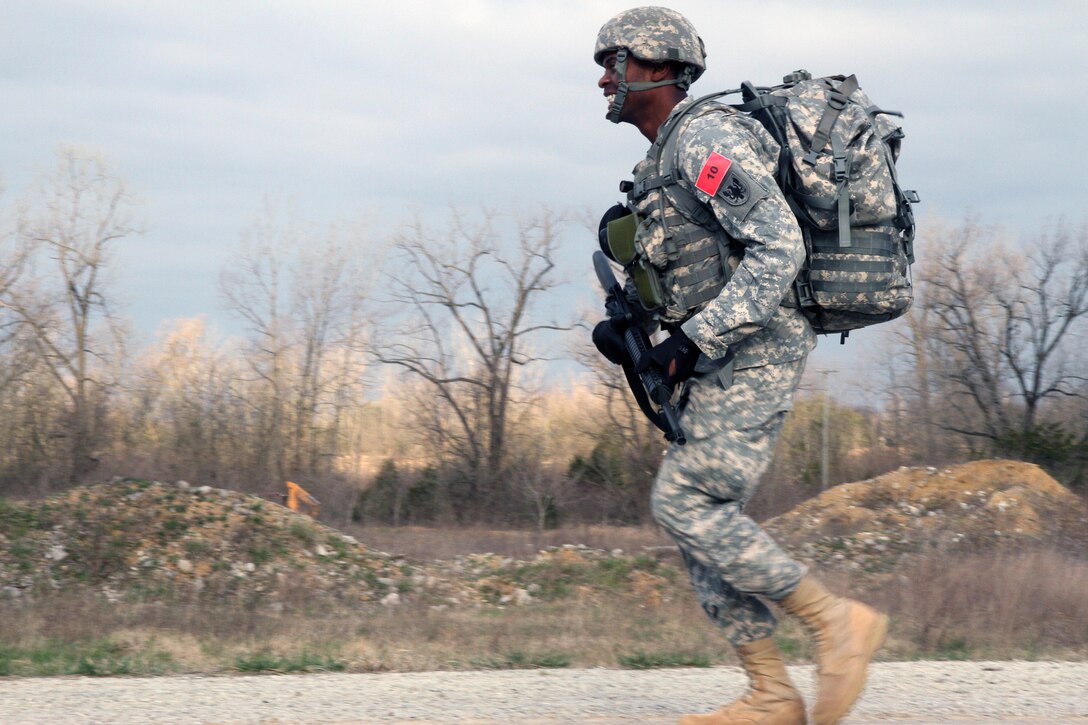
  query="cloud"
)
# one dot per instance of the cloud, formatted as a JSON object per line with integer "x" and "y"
{"x": 207, "y": 106}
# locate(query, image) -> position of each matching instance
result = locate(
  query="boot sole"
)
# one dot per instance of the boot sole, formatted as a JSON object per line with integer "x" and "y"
{"x": 792, "y": 715}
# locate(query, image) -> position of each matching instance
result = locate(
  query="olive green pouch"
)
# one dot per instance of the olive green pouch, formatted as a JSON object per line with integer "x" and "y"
{"x": 621, "y": 242}
{"x": 621, "y": 238}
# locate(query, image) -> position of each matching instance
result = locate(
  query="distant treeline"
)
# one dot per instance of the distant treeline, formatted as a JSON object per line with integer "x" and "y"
{"x": 399, "y": 378}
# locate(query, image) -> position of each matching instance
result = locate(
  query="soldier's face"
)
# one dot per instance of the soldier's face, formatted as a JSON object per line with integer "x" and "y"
{"x": 609, "y": 82}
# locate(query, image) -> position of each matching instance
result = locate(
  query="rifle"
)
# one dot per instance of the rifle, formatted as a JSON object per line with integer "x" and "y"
{"x": 649, "y": 386}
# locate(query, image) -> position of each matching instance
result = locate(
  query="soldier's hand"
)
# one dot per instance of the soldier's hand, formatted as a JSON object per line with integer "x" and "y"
{"x": 676, "y": 357}
{"x": 608, "y": 338}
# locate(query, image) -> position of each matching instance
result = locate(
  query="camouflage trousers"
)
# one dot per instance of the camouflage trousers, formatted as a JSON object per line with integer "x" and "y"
{"x": 702, "y": 487}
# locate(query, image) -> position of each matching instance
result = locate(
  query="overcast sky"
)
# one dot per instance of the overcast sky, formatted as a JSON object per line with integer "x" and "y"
{"x": 388, "y": 108}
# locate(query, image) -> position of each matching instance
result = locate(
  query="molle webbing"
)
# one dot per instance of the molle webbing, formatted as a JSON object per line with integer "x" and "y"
{"x": 861, "y": 242}
{"x": 694, "y": 299}
{"x": 848, "y": 287}
{"x": 696, "y": 261}
{"x": 853, "y": 265}
{"x": 682, "y": 249}
{"x": 837, "y": 269}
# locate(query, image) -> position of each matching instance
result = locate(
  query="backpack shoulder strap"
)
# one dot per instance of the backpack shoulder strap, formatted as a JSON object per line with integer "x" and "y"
{"x": 667, "y": 161}
{"x": 682, "y": 198}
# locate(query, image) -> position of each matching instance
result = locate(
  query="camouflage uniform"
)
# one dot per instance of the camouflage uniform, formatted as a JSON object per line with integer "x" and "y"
{"x": 713, "y": 253}
{"x": 701, "y": 489}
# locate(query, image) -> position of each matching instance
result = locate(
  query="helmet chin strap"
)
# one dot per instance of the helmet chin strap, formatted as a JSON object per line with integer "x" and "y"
{"x": 614, "y": 109}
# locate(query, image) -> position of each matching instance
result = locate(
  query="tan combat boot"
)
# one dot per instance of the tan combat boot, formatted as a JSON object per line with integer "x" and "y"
{"x": 847, "y": 634}
{"x": 772, "y": 699}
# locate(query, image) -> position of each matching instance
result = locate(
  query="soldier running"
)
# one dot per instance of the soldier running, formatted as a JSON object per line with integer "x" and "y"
{"x": 715, "y": 277}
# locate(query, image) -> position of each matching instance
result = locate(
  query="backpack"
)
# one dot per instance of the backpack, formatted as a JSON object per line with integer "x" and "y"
{"x": 837, "y": 172}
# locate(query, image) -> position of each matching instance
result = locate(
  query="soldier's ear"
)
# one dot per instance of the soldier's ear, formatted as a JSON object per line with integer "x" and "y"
{"x": 661, "y": 71}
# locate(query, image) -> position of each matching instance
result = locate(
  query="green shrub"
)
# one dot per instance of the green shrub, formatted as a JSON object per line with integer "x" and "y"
{"x": 651, "y": 660}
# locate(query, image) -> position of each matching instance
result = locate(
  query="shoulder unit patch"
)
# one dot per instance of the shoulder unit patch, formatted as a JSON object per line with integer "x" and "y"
{"x": 736, "y": 192}
{"x": 713, "y": 173}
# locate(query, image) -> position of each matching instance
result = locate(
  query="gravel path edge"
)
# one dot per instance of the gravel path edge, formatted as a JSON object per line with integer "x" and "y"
{"x": 914, "y": 692}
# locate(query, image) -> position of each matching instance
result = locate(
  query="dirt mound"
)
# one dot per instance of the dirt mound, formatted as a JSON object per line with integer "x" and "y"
{"x": 562, "y": 572}
{"x": 144, "y": 540}
{"x": 872, "y": 526}
{"x": 149, "y": 540}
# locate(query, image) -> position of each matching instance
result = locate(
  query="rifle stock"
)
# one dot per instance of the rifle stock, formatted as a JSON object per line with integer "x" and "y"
{"x": 650, "y": 387}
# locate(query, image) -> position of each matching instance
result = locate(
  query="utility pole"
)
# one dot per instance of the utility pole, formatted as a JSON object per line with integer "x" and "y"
{"x": 825, "y": 433}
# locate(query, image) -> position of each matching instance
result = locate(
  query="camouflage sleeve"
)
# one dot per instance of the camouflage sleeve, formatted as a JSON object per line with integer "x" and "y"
{"x": 729, "y": 163}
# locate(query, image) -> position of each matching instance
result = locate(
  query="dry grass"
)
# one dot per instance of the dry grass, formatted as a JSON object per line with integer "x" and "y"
{"x": 995, "y": 604}
{"x": 128, "y": 639}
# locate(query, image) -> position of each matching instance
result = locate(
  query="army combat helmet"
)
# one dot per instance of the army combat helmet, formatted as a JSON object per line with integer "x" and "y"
{"x": 654, "y": 35}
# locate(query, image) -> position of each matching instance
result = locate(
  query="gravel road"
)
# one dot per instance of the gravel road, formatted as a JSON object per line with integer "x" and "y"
{"x": 1005, "y": 693}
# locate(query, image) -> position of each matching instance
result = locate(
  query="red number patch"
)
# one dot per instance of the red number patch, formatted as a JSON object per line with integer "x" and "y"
{"x": 713, "y": 173}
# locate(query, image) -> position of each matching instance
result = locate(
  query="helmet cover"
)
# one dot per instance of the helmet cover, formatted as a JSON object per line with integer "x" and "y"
{"x": 654, "y": 35}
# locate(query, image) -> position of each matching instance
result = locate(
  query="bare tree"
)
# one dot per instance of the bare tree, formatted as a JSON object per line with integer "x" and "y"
{"x": 178, "y": 416}
{"x": 252, "y": 287}
{"x": 14, "y": 350}
{"x": 1005, "y": 324}
{"x": 465, "y": 323}
{"x": 1041, "y": 312}
{"x": 328, "y": 312}
{"x": 301, "y": 294}
{"x": 68, "y": 231}
{"x": 27, "y": 408}
{"x": 911, "y": 382}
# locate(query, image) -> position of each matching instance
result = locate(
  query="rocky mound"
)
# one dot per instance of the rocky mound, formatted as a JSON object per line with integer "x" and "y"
{"x": 143, "y": 540}
{"x": 148, "y": 540}
{"x": 873, "y": 526}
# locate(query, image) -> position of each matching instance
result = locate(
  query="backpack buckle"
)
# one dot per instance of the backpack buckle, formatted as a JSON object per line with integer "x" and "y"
{"x": 642, "y": 187}
{"x": 840, "y": 168}
{"x": 805, "y": 296}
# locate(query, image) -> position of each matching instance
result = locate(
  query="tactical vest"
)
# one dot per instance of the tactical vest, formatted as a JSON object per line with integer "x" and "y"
{"x": 690, "y": 256}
